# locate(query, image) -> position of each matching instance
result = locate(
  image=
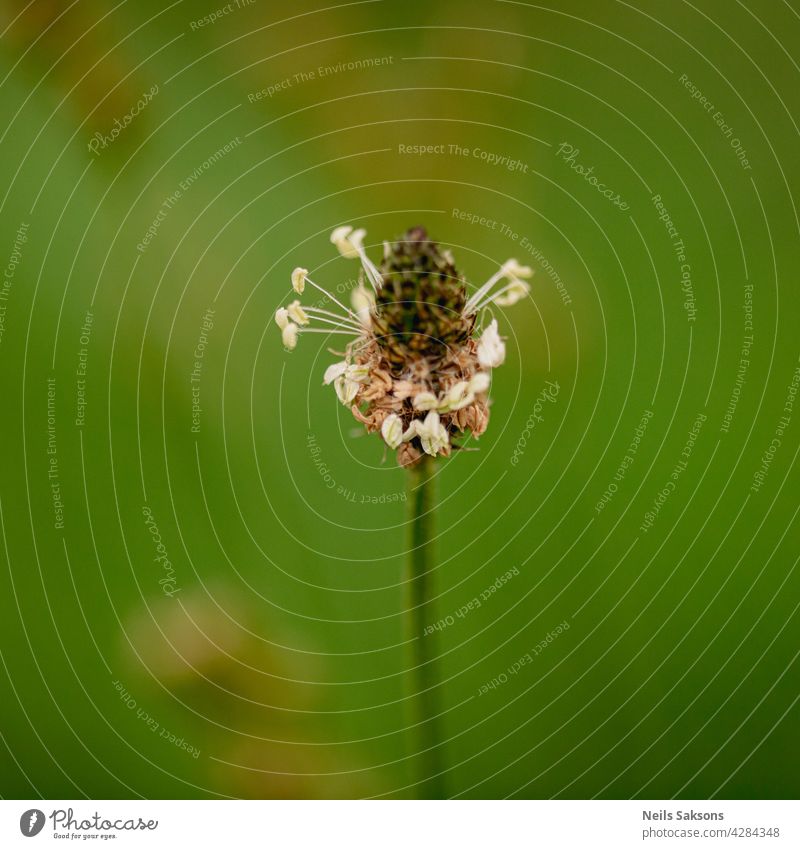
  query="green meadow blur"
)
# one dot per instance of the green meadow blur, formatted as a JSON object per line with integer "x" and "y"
{"x": 269, "y": 656}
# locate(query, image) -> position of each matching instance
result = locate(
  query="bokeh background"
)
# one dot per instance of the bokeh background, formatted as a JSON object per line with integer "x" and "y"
{"x": 269, "y": 658}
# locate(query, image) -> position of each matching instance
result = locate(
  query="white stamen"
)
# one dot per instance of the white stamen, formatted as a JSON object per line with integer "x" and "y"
{"x": 328, "y": 295}
{"x": 349, "y": 243}
{"x": 349, "y": 382}
{"x": 512, "y": 271}
{"x": 338, "y": 316}
{"x": 334, "y": 371}
{"x": 515, "y": 291}
{"x": 347, "y": 240}
{"x": 289, "y": 336}
{"x": 411, "y": 431}
{"x": 346, "y": 390}
{"x": 491, "y": 349}
{"x": 297, "y": 313}
{"x": 511, "y": 268}
{"x": 299, "y": 276}
{"x": 425, "y": 401}
{"x": 476, "y": 298}
{"x": 363, "y": 303}
{"x": 353, "y": 333}
{"x": 392, "y": 430}
{"x": 359, "y": 373}
{"x": 457, "y": 397}
{"x": 479, "y": 382}
{"x": 432, "y": 434}
{"x": 346, "y": 379}
{"x": 369, "y": 267}
{"x": 281, "y": 317}
{"x": 338, "y": 322}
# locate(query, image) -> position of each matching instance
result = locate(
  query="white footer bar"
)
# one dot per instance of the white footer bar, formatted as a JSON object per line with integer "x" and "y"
{"x": 402, "y": 824}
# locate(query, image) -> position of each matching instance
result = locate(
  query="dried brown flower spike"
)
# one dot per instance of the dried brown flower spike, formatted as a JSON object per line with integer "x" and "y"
{"x": 413, "y": 371}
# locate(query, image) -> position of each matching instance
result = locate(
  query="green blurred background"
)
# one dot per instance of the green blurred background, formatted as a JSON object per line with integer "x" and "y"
{"x": 278, "y": 664}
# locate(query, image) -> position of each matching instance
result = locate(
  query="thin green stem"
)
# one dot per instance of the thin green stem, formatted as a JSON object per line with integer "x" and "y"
{"x": 420, "y": 561}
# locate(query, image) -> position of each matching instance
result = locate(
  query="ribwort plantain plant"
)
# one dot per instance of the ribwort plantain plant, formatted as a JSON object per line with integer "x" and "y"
{"x": 417, "y": 370}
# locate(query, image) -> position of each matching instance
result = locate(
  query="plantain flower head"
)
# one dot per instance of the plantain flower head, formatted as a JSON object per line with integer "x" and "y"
{"x": 418, "y": 360}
